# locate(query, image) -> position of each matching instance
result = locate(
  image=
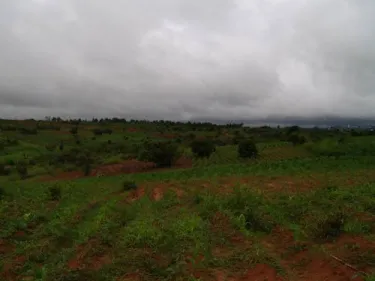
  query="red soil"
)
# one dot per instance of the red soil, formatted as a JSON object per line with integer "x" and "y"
{"x": 133, "y": 130}
{"x": 261, "y": 272}
{"x": 157, "y": 194}
{"x": 84, "y": 260}
{"x": 126, "y": 167}
{"x": 9, "y": 269}
{"x": 5, "y": 247}
{"x": 130, "y": 277}
{"x": 136, "y": 194}
{"x": 323, "y": 269}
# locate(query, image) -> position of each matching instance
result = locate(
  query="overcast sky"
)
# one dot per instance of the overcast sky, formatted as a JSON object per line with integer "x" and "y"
{"x": 181, "y": 59}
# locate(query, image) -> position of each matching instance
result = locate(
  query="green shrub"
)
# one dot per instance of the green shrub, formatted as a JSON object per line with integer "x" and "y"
{"x": 163, "y": 154}
{"x": 129, "y": 185}
{"x": 247, "y": 149}
{"x": 328, "y": 227}
{"x": 203, "y": 148}
{"x": 4, "y": 171}
{"x": 22, "y": 170}
{"x": 55, "y": 193}
{"x": 2, "y": 193}
{"x": 296, "y": 139}
{"x": 74, "y": 130}
{"x": 87, "y": 168}
{"x": 61, "y": 146}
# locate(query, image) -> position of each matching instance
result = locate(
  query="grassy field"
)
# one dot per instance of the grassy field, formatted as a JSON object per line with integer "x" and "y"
{"x": 296, "y": 212}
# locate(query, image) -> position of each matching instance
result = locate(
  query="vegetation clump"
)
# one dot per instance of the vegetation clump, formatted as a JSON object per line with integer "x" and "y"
{"x": 22, "y": 169}
{"x": 163, "y": 154}
{"x": 203, "y": 148}
{"x": 4, "y": 171}
{"x": 247, "y": 149}
{"x": 129, "y": 185}
{"x": 54, "y": 193}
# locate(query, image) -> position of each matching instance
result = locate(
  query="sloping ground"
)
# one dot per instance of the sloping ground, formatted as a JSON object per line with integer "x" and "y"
{"x": 244, "y": 228}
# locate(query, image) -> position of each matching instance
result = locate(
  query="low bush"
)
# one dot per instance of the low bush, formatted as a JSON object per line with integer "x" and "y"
{"x": 163, "y": 154}
{"x": 129, "y": 185}
{"x": 4, "y": 171}
{"x": 54, "y": 193}
{"x": 22, "y": 170}
{"x": 203, "y": 148}
{"x": 247, "y": 149}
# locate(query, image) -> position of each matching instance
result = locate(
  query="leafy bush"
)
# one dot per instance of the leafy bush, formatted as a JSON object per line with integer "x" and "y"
{"x": 292, "y": 130}
{"x": 296, "y": 139}
{"x": 55, "y": 193}
{"x": 4, "y": 171}
{"x": 85, "y": 161}
{"x": 128, "y": 185}
{"x": 203, "y": 148}
{"x": 2, "y": 193}
{"x": 163, "y": 154}
{"x": 87, "y": 168}
{"x": 328, "y": 227}
{"x": 74, "y": 130}
{"x": 22, "y": 170}
{"x": 247, "y": 149}
{"x": 99, "y": 132}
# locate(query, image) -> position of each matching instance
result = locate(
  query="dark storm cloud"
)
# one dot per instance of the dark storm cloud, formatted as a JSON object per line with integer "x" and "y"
{"x": 179, "y": 59}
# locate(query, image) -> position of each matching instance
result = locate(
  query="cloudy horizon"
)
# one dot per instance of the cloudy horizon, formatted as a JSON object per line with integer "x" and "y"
{"x": 181, "y": 60}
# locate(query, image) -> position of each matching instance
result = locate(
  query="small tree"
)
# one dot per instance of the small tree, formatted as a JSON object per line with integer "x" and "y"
{"x": 247, "y": 149}
{"x": 203, "y": 148}
{"x": 163, "y": 154}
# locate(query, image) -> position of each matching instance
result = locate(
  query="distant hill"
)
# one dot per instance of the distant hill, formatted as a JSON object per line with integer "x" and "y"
{"x": 300, "y": 121}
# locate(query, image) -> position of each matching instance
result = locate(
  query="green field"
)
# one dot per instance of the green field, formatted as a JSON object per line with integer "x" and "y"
{"x": 302, "y": 211}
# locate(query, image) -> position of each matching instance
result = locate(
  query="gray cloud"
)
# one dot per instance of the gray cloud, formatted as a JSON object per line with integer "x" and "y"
{"x": 180, "y": 59}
